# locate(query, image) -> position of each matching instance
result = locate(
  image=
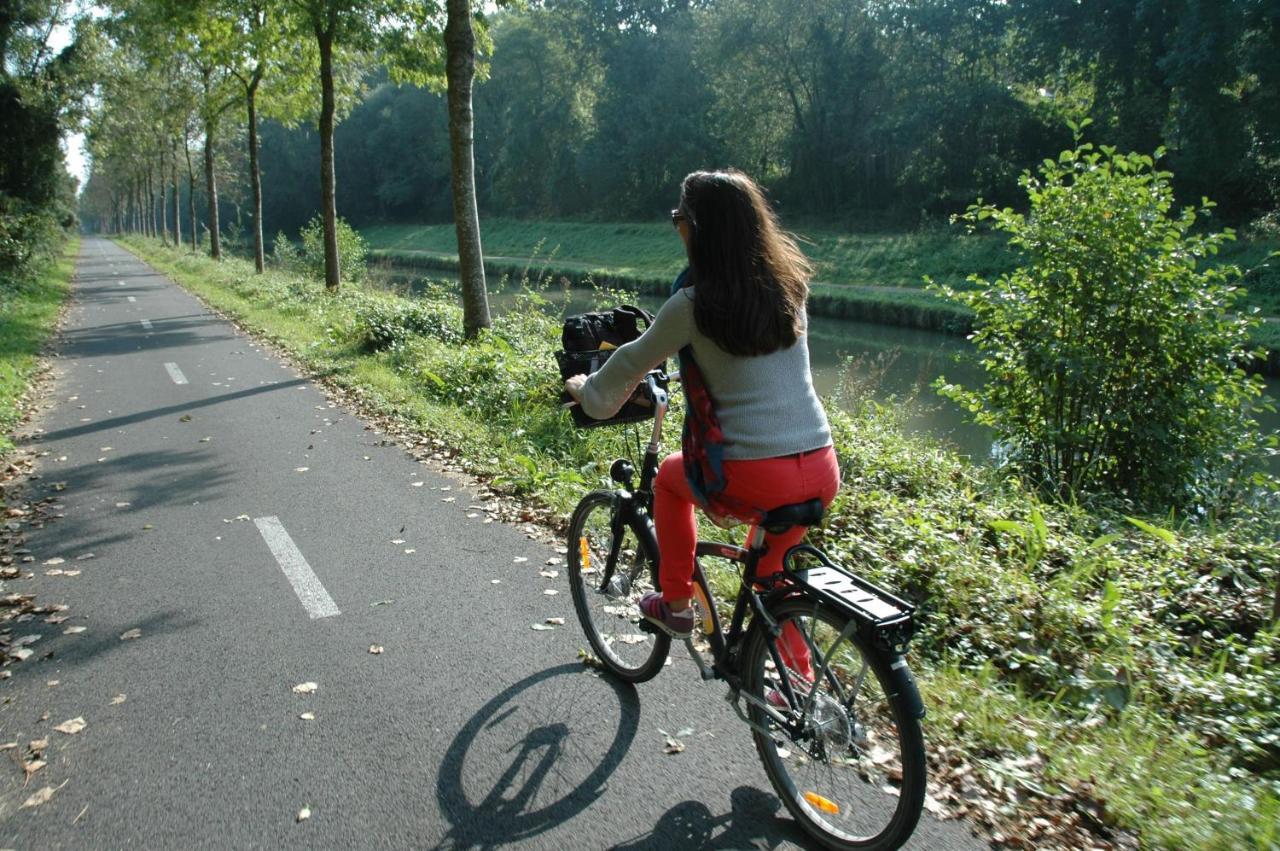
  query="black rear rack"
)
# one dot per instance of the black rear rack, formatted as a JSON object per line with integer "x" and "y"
{"x": 883, "y": 617}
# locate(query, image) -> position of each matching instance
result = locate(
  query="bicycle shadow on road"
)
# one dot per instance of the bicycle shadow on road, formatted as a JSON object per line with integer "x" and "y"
{"x": 535, "y": 756}
{"x": 753, "y": 822}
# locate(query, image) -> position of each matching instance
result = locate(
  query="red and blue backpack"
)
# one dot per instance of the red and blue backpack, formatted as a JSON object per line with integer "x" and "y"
{"x": 702, "y": 442}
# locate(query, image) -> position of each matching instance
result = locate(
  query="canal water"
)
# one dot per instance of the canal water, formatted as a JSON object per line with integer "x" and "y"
{"x": 855, "y": 359}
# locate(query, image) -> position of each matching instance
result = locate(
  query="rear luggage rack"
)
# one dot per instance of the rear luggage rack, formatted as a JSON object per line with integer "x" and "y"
{"x": 882, "y": 617}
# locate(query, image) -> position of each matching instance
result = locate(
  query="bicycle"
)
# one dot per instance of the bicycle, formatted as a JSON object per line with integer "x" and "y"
{"x": 843, "y": 750}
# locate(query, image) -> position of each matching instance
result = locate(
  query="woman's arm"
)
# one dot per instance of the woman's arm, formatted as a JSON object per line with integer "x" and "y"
{"x": 603, "y": 393}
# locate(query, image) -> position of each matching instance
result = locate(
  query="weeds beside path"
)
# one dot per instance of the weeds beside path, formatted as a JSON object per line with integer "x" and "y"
{"x": 28, "y": 315}
{"x": 1091, "y": 682}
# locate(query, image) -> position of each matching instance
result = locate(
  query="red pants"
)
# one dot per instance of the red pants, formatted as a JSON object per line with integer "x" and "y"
{"x": 766, "y": 483}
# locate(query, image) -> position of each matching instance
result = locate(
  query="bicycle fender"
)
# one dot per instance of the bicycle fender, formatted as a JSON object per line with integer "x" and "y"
{"x": 904, "y": 686}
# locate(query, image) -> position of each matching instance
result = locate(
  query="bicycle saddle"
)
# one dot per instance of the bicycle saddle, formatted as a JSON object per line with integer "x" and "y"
{"x": 784, "y": 517}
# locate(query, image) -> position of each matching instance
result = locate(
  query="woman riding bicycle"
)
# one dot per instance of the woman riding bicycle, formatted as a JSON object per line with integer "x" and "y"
{"x": 740, "y": 310}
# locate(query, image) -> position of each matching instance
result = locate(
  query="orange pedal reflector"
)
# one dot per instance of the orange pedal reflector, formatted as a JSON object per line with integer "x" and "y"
{"x": 820, "y": 803}
{"x": 584, "y": 552}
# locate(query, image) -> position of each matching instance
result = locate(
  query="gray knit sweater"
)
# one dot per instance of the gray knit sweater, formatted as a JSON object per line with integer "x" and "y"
{"x": 766, "y": 404}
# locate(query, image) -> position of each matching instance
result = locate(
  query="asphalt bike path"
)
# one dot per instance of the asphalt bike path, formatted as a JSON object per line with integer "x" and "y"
{"x": 247, "y": 537}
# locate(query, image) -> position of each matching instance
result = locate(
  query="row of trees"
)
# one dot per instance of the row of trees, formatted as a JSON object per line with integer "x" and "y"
{"x": 41, "y": 91}
{"x": 187, "y": 77}
{"x": 879, "y": 110}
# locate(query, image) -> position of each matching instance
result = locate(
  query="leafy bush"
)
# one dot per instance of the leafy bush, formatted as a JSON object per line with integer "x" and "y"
{"x": 285, "y": 255}
{"x": 388, "y": 324}
{"x": 351, "y": 250}
{"x": 28, "y": 233}
{"x": 1113, "y": 351}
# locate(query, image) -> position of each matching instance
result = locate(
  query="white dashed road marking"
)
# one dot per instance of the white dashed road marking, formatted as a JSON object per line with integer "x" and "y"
{"x": 305, "y": 583}
{"x": 175, "y": 373}
{"x": 131, "y": 298}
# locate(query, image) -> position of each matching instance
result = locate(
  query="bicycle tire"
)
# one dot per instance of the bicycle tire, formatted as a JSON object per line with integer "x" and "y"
{"x": 609, "y": 610}
{"x": 855, "y": 776}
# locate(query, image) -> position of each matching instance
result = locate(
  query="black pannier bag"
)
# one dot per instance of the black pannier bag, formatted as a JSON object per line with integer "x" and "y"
{"x": 588, "y": 340}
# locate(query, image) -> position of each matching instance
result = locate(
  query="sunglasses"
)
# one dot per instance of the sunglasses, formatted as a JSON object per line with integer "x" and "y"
{"x": 677, "y": 216}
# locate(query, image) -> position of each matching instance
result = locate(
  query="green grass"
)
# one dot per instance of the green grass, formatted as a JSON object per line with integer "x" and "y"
{"x": 1136, "y": 672}
{"x": 28, "y": 313}
{"x": 652, "y": 250}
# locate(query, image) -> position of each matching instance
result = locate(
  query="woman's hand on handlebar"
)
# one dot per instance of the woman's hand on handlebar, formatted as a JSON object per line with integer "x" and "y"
{"x": 573, "y": 386}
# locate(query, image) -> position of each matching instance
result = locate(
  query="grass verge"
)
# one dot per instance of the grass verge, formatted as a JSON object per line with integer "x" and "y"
{"x": 28, "y": 313}
{"x": 1086, "y": 676}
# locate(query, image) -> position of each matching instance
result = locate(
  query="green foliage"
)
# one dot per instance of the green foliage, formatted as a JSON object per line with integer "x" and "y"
{"x": 1113, "y": 351}
{"x": 284, "y": 254}
{"x": 392, "y": 323}
{"x": 29, "y": 233}
{"x": 351, "y": 250}
{"x": 29, "y": 305}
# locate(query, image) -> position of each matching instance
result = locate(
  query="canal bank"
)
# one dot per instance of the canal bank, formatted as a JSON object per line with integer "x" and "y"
{"x": 899, "y": 307}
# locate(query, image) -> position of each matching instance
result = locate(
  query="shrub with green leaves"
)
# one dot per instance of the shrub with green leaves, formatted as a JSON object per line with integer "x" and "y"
{"x": 1113, "y": 350}
{"x": 284, "y": 254}
{"x": 351, "y": 250}
{"x": 387, "y": 324}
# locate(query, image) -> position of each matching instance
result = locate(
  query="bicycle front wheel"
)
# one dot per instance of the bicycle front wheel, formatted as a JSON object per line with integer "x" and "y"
{"x": 611, "y": 567}
{"x": 851, "y": 766}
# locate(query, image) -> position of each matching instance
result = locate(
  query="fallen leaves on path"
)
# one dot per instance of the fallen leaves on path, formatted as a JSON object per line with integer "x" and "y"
{"x": 75, "y": 630}
{"x": 130, "y": 634}
{"x": 375, "y": 649}
{"x": 119, "y": 699}
{"x": 40, "y": 797}
{"x": 71, "y": 726}
{"x": 305, "y": 688}
{"x": 308, "y": 716}
{"x": 304, "y": 814}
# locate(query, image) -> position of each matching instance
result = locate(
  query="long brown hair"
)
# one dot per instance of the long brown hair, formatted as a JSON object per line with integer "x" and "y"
{"x": 751, "y": 278}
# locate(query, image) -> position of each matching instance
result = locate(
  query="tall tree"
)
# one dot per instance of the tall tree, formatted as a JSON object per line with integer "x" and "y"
{"x": 403, "y": 34}
{"x": 460, "y": 43}
{"x": 259, "y": 52}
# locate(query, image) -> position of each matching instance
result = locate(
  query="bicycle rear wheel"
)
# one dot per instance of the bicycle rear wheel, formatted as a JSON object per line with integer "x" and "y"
{"x": 607, "y": 597}
{"x": 854, "y": 774}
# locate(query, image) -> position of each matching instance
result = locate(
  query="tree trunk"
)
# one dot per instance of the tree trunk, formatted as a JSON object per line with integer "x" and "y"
{"x": 460, "y": 43}
{"x": 177, "y": 198}
{"x": 152, "y": 227}
{"x": 255, "y": 177}
{"x": 164, "y": 204}
{"x": 328, "y": 184}
{"x": 191, "y": 195}
{"x": 211, "y": 189}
